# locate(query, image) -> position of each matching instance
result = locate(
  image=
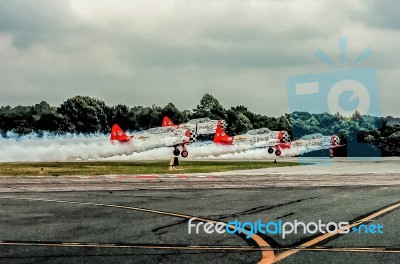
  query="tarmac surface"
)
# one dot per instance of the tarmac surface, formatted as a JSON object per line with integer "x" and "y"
{"x": 144, "y": 218}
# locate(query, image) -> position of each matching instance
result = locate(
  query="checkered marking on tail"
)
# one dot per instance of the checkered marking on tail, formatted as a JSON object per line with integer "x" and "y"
{"x": 224, "y": 124}
{"x": 337, "y": 140}
{"x": 193, "y": 136}
{"x": 285, "y": 137}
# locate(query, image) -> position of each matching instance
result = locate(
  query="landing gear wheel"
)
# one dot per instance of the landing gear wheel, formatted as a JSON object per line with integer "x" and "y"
{"x": 278, "y": 152}
{"x": 270, "y": 150}
{"x": 176, "y": 152}
{"x": 184, "y": 153}
{"x": 331, "y": 153}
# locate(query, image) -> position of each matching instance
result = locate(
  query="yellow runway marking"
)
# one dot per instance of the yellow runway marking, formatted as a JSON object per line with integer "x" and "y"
{"x": 194, "y": 247}
{"x": 328, "y": 235}
{"x": 267, "y": 255}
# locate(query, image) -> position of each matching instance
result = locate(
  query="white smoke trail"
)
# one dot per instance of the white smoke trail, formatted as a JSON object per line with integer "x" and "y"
{"x": 58, "y": 148}
{"x": 71, "y": 147}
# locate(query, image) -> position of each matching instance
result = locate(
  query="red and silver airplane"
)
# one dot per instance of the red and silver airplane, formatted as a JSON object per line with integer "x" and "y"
{"x": 315, "y": 142}
{"x": 199, "y": 126}
{"x": 262, "y": 137}
{"x": 163, "y": 136}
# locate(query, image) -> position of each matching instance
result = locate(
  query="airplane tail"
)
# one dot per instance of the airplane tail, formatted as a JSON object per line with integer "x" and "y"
{"x": 335, "y": 140}
{"x": 118, "y": 134}
{"x": 283, "y": 136}
{"x": 220, "y": 135}
{"x": 167, "y": 122}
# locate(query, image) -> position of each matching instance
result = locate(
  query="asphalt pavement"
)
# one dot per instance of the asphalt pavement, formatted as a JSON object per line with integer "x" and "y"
{"x": 55, "y": 223}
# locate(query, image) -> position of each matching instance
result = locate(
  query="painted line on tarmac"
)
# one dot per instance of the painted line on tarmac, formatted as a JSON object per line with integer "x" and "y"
{"x": 326, "y": 236}
{"x": 193, "y": 247}
{"x": 267, "y": 255}
{"x": 149, "y": 177}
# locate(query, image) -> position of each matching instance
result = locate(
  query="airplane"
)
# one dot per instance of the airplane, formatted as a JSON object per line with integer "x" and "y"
{"x": 198, "y": 126}
{"x": 166, "y": 136}
{"x": 314, "y": 142}
{"x": 261, "y": 137}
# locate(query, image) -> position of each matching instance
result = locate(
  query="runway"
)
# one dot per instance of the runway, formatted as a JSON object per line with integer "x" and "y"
{"x": 144, "y": 218}
{"x": 314, "y": 172}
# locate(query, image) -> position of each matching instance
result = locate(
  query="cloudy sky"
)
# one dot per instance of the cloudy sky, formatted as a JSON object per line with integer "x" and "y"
{"x": 155, "y": 52}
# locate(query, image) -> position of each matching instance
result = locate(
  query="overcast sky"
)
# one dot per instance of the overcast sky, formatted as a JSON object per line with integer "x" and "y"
{"x": 155, "y": 52}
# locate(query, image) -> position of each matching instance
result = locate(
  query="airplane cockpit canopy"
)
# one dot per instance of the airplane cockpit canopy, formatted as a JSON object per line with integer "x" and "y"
{"x": 258, "y": 131}
{"x": 199, "y": 120}
{"x": 311, "y": 136}
{"x": 160, "y": 130}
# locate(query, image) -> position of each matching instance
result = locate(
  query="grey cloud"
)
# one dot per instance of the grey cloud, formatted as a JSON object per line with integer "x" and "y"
{"x": 34, "y": 21}
{"x": 237, "y": 57}
{"x": 177, "y": 57}
{"x": 381, "y": 14}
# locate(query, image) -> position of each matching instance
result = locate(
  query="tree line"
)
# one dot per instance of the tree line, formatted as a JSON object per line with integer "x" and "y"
{"x": 84, "y": 114}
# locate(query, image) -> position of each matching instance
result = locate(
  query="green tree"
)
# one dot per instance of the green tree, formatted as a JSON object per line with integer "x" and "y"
{"x": 356, "y": 116}
{"x": 42, "y": 108}
{"x": 51, "y": 122}
{"x": 173, "y": 113}
{"x": 84, "y": 114}
{"x": 149, "y": 117}
{"x": 209, "y": 107}
{"x": 283, "y": 123}
{"x": 119, "y": 114}
{"x": 241, "y": 124}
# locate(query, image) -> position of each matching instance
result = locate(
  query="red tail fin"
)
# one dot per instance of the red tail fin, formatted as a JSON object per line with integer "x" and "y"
{"x": 220, "y": 136}
{"x": 167, "y": 122}
{"x": 118, "y": 134}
